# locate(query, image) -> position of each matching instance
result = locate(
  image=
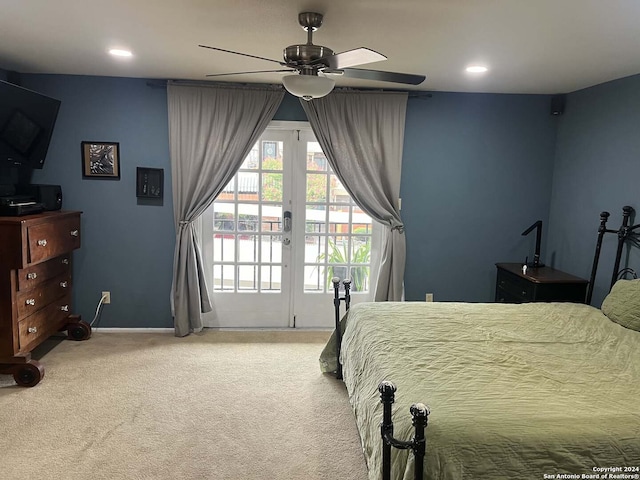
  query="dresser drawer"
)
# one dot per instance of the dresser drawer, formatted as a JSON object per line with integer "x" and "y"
{"x": 515, "y": 287}
{"x": 35, "y": 275}
{"x": 51, "y": 239}
{"x": 43, "y": 323}
{"x": 502, "y": 296}
{"x": 30, "y": 301}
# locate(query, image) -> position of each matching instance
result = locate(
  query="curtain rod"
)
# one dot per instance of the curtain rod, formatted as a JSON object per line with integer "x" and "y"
{"x": 204, "y": 83}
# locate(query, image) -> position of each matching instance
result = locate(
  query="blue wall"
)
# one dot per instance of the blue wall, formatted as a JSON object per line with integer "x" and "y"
{"x": 127, "y": 246}
{"x": 127, "y": 243}
{"x": 477, "y": 171}
{"x": 597, "y": 167}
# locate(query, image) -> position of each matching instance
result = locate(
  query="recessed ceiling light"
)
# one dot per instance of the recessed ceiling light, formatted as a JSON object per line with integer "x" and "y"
{"x": 120, "y": 53}
{"x": 476, "y": 69}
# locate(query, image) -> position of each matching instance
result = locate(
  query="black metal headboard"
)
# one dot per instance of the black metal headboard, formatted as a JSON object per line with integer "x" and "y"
{"x": 625, "y": 233}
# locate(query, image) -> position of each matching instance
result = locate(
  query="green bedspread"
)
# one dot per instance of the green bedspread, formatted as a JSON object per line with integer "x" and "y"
{"x": 515, "y": 391}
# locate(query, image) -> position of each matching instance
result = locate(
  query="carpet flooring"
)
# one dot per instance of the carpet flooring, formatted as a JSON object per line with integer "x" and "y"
{"x": 216, "y": 405}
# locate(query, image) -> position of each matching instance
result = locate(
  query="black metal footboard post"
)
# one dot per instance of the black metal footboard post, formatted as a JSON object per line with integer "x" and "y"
{"x": 347, "y": 288}
{"x": 418, "y": 444}
{"x": 336, "y": 304}
{"x": 604, "y": 216}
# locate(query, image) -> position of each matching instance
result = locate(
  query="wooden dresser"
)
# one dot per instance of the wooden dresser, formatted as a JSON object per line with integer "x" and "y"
{"x": 35, "y": 288}
{"x": 543, "y": 284}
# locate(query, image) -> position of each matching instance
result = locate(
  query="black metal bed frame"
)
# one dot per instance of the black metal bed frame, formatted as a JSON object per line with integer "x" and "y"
{"x": 418, "y": 444}
{"x": 625, "y": 233}
{"x": 336, "y": 303}
{"x": 419, "y": 411}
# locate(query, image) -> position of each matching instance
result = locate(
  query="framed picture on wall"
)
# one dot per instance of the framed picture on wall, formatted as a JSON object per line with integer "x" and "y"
{"x": 101, "y": 160}
{"x": 149, "y": 182}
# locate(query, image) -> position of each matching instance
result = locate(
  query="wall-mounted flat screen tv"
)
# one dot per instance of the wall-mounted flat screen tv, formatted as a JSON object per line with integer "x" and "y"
{"x": 27, "y": 119}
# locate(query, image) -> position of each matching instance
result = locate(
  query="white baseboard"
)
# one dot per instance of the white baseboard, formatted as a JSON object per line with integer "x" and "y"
{"x": 270, "y": 329}
{"x": 171, "y": 330}
{"x": 133, "y": 330}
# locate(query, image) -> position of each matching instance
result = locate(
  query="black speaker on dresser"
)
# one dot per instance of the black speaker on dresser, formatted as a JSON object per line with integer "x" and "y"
{"x": 50, "y": 196}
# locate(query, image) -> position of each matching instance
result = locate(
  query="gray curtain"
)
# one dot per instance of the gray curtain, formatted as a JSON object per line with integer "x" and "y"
{"x": 362, "y": 134}
{"x": 211, "y": 131}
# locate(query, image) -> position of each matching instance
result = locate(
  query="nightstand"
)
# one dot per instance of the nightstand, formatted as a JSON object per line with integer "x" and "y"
{"x": 543, "y": 284}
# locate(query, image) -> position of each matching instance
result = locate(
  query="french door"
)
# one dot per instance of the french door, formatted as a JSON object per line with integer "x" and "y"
{"x": 277, "y": 234}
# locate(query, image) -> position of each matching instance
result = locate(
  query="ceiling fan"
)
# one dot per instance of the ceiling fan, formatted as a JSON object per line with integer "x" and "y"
{"x": 309, "y": 60}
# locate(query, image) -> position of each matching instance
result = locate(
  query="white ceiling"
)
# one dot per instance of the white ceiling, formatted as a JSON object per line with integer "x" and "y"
{"x": 530, "y": 46}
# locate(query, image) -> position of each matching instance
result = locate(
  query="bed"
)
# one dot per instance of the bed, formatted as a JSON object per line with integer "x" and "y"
{"x": 525, "y": 391}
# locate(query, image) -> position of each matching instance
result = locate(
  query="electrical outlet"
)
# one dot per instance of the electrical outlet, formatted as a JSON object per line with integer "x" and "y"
{"x": 107, "y": 297}
{"x": 429, "y": 297}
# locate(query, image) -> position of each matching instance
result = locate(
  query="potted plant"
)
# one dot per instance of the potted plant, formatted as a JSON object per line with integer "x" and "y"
{"x": 337, "y": 258}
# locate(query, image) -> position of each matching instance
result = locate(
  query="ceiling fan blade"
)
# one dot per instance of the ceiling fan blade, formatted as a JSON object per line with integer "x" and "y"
{"x": 242, "y": 73}
{"x": 350, "y": 58}
{"x": 393, "y": 77}
{"x": 244, "y": 54}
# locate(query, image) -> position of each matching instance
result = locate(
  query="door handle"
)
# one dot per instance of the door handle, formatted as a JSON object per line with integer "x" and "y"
{"x": 286, "y": 227}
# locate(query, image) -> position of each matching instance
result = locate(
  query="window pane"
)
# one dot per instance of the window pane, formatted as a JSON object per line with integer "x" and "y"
{"x": 271, "y": 249}
{"x": 361, "y": 222}
{"x": 315, "y": 219}
{"x": 252, "y": 159}
{"x": 271, "y": 278}
{"x": 338, "y": 194}
{"x": 272, "y": 187}
{"x": 314, "y": 248}
{"x": 247, "y": 217}
{"x": 360, "y": 249}
{"x": 247, "y": 278}
{"x": 271, "y": 218}
{"x": 339, "y": 271}
{"x": 248, "y": 185}
{"x": 337, "y": 249}
{"x": 224, "y": 219}
{"x": 313, "y": 278}
{"x": 339, "y": 219}
{"x": 360, "y": 279}
{"x": 224, "y": 247}
{"x": 315, "y": 158}
{"x": 316, "y": 187}
{"x": 272, "y": 155}
{"x": 248, "y": 248}
{"x": 224, "y": 277}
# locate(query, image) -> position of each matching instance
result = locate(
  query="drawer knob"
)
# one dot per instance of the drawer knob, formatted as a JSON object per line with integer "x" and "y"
{"x": 42, "y": 243}
{"x": 524, "y": 292}
{"x": 32, "y": 276}
{"x": 64, "y": 308}
{"x": 65, "y": 261}
{"x": 30, "y": 301}
{"x": 74, "y": 233}
{"x": 32, "y": 330}
{"x": 63, "y": 284}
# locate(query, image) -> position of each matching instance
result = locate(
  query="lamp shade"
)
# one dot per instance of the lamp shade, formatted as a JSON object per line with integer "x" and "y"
{"x": 308, "y": 86}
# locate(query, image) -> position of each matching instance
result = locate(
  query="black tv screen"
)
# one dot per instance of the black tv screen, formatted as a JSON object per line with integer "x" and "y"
{"x": 27, "y": 119}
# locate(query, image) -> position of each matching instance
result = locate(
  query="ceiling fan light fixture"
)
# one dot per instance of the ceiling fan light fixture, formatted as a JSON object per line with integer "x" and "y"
{"x": 477, "y": 69}
{"x": 120, "y": 53}
{"x": 308, "y": 87}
